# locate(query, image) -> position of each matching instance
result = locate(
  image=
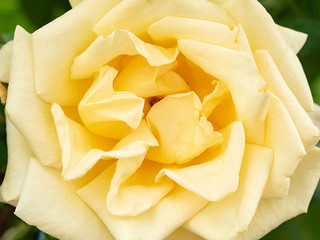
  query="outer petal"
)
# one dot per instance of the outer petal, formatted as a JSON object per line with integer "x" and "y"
{"x": 275, "y": 83}
{"x": 103, "y": 50}
{"x": 182, "y": 234}
{"x": 263, "y": 33}
{"x": 244, "y": 82}
{"x": 5, "y": 61}
{"x": 73, "y": 3}
{"x": 53, "y": 206}
{"x": 226, "y": 218}
{"x": 25, "y": 109}
{"x": 19, "y": 153}
{"x": 272, "y": 212}
{"x": 294, "y": 39}
{"x": 217, "y": 175}
{"x": 167, "y": 216}
{"x": 56, "y": 45}
{"x": 137, "y": 15}
{"x": 315, "y": 115}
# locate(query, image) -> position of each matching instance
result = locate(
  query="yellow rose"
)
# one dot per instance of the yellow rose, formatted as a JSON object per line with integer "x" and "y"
{"x": 155, "y": 119}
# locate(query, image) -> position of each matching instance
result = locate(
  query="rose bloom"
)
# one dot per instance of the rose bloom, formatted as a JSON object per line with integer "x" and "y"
{"x": 159, "y": 119}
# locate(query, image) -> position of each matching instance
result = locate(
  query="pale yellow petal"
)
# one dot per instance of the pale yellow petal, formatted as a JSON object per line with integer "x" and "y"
{"x": 308, "y": 132}
{"x": 19, "y": 153}
{"x": 51, "y": 204}
{"x": 108, "y": 113}
{"x": 226, "y": 218}
{"x": 315, "y": 115}
{"x": 237, "y": 70}
{"x": 103, "y": 50}
{"x": 182, "y": 234}
{"x": 57, "y": 44}
{"x": 272, "y": 212}
{"x": 5, "y": 61}
{"x": 73, "y": 3}
{"x": 263, "y": 33}
{"x": 294, "y": 39}
{"x": 166, "y": 217}
{"x": 25, "y": 109}
{"x": 169, "y": 29}
{"x": 137, "y": 15}
{"x": 218, "y": 174}
{"x": 182, "y": 130}
{"x": 145, "y": 81}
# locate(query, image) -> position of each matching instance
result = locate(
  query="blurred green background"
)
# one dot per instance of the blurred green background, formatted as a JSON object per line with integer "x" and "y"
{"x": 301, "y": 15}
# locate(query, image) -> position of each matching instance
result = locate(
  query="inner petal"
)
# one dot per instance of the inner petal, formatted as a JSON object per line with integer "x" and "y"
{"x": 182, "y": 131}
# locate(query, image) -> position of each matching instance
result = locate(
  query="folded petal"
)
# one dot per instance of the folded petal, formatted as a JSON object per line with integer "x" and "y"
{"x": 293, "y": 38}
{"x": 137, "y": 15}
{"x": 263, "y": 33}
{"x": 145, "y": 81}
{"x": 239, "y": 73}
{"x": 109, "y": 113}
{"x": 73, "y": 3}
{"x": 5, "y": 61}
{"x": 25, "y": 109}
{"x": 57, "y": 44}
{"x": 182, "y": 130}
{"x": 225, "y": 219}
{"x": 272, "y": 212}
{"x": 218, "y": 174}
{"x": 183, "y": 234}
{"x": 103, "y": 50}
{"x": 166, "y": 217}
{"x": 315, "y": 115}
{"x": 275, "y": 83}
{"x": 51, "y": 204}
{"x": 19, "y": 153}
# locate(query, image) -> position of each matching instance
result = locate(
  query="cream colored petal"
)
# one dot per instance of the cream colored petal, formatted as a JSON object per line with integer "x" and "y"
{"x": 19, "y": 153}
{"x": 57, "y": 44}
{"x": 293, "y": 38}
{"x": 275, "y": 83}
{"x": 237, "y": 70}
{"x": 146, "y": 81}
{"x": 263, "y": 33}
{"x": 216, "y": 97}
{"x": 25, "y": 109}
{"x": 226, "y": 218}
{"x": 169, "y": 29}
{"x": 283, "y": 137}
{"x": 272, "y": 212}
{"x": 5, "y": 61}
{"x": 73, "y": 3}
{"x": 108, "y": 113}
{"x": 137, "y": 15}
{"x": 103, "y": 50}
{"x": 155, "y": 224}
{"x": 218, "y": 176}
{"x": 182, "y": 130}
{"x": 315, "y": 115}
{"x": 182, "y": 234}
{"x": 53, "y": 206}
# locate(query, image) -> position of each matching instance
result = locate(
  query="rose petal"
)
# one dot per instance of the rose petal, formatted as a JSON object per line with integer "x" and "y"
{"x": 145, "y": 81}
{"x": 272, "y": 212}
{"x": 167, "y": 216}
{"x": 19, "y": 153}
{"x": 183, "y": 234}
{"x": 51, "y": 204}
{"x": 293, "y": 38}
{"x": 218, "y": 175}
{"x": 175, "y": 28}
{"x": 5, "y": 61}
{"x": 183, "y": 131}
{"x": 108, "y": 113}
{"x": 137, "y": 15}
{"x": 73, "y": 3}
{"x": 275, "y": 83}
{"x": 25, "y": 109}
{"x": 226, "y": 218}
{"x": 263, "y": 33}
{"x": 56, "y": 45}
{"x": 315, "y": 115}
{"x": 244, "y": 82}
{"x": 103, "y": 50}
